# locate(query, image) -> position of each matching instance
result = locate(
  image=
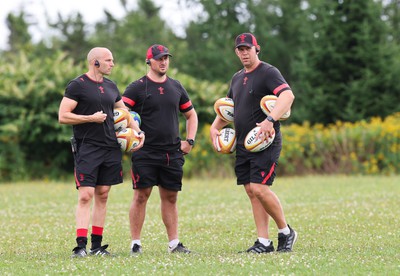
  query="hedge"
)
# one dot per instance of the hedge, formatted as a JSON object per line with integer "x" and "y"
{"x": 33, "y": 145}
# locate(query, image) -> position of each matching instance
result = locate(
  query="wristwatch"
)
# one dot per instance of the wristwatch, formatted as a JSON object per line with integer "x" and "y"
{"x": 272, "y": 120}
{"x": 190, "y": 141}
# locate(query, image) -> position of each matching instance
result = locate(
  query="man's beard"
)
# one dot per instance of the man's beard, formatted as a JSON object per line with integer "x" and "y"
{"x": 161, "y": 74}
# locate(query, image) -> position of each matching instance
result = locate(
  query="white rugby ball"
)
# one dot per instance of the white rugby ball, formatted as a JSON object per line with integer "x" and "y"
{"x": 267, "y": 103}
{"x": 224, "y": 107}
{"x": 127, "y": 139}
{"x": 255, "y": 145}
{"x": 226, "y": 142}
{"x": 122, "y": 119}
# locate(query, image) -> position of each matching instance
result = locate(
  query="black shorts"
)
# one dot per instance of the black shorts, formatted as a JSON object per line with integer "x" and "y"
{"x": 96, "y": 165}
{"x": 258, "y": 167}
{"x": 157, "y": 168}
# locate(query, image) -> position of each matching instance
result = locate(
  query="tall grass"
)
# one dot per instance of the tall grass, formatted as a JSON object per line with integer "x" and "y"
{"x": 346, "y": 226}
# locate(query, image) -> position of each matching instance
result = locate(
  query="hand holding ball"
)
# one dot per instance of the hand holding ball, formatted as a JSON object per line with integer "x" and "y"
{"x": 226, "y": 141}
{"x": 128, "y": 139}
{"x": 253, "y": 144}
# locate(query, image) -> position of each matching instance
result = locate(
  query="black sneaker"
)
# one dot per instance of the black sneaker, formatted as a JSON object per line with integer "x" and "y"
{"x": 258, "y": 248}
{"x": 286, "y": 242}
{"x": 79, "y": 252}
{"x": 101, "y": 251}
{"x": 180, "y": 248}
{"x": 136, "y": 250}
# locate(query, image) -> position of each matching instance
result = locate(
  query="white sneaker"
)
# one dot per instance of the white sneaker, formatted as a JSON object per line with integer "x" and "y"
{"x": 179, "y": 248}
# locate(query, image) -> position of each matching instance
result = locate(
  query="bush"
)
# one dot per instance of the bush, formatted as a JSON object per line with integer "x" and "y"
{"x": 34, "y": 145}
{"x": 365, "y": 147}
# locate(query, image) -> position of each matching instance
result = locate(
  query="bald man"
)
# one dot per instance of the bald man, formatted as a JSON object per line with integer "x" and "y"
{"x": 88, "y": 105}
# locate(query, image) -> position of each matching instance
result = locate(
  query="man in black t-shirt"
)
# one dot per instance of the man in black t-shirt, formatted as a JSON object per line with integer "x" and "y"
{"x": 159, "y": 100}
{"x": 256, "y": 170}
{"x": 88, "y": 105}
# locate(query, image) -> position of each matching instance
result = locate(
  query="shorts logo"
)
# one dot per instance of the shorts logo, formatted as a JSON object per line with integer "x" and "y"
{"x": 81, "y": 177}
{"x": 136, "y": 178}
{"x": 262, "y": 173}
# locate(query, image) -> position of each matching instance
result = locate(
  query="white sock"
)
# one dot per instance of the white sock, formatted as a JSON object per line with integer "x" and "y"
{"x": 173, "y": 243}
{"x": 264, "y": 241}
{"x": 135, "y": 242}
{"x": 285, "y": 231}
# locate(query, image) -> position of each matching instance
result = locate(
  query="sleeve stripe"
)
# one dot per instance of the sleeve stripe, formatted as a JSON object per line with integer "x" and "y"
{"x": 128, "y": 101}
{"x": 185, "y": 105}
{"x": 280, "y": 88}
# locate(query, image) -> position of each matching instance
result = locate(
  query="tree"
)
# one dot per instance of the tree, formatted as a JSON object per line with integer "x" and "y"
{"x": 73, "y": 36}
{"x": 279, "y": 27}
{"x": 130, "y": 37}
{"x": 19, "y": 38}
{"x": 210, "y": 38}
{"x": 347, "y": 64}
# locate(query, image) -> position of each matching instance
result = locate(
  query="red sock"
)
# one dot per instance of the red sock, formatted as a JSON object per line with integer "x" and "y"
{"x": 81, "y": 232}
{"x": 96, "y": 230}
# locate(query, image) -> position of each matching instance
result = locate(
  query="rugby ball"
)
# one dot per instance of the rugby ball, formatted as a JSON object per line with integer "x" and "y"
{"x": 136, "y": 117}
{"x": 224, "y": 108}
{"x": 267, "y": 103}
{"x": 255, "y": 145}
{"x": 122, "y": 119}
{"x": 127, "y": 139}
{"x": 226, "y": 142}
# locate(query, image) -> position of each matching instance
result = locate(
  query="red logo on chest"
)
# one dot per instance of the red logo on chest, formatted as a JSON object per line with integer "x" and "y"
{"x": 161, "y": 90}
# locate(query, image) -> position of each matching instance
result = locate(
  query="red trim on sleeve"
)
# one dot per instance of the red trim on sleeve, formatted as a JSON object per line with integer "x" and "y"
{"x": 269, "y": 174}
{"x": 128, "y": 101}
{"x": 185, "y": 105}
{"x": 280, "y": 87}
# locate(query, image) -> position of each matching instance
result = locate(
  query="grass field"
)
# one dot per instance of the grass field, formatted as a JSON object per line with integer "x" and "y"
{"x": 346, "y": 226}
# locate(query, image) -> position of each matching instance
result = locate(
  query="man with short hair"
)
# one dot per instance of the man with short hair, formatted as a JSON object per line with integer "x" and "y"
{"x": 256, "y": 170}
{"x": 159, "y": 99}
{"x": 88, "y": 105}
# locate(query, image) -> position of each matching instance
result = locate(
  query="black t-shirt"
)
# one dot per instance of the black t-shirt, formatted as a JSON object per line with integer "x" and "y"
{"x": 94, "y": 96}
{"x": 158, "y": 105}
{"x": 247, "y": 90}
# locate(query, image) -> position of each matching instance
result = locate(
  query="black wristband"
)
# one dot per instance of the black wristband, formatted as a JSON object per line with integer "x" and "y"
{"x": 140, "y": 132}
{"x": 269, "y": 118}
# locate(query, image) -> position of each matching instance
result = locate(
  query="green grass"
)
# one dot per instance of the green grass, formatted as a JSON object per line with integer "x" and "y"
{"x": 346, "y": 226}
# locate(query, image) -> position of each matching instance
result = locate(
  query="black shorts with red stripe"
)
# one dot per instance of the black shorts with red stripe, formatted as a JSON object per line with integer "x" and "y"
{"x": 258, "y": 167}
{"x": 95, "y": 165}
{"x": 157, "y": 168}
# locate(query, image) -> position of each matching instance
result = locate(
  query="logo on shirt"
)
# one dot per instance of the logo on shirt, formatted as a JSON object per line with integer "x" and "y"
{"x": 161, "y": 90}
{"x": 101, "y": 89}
{"x": 245, "y": 80}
